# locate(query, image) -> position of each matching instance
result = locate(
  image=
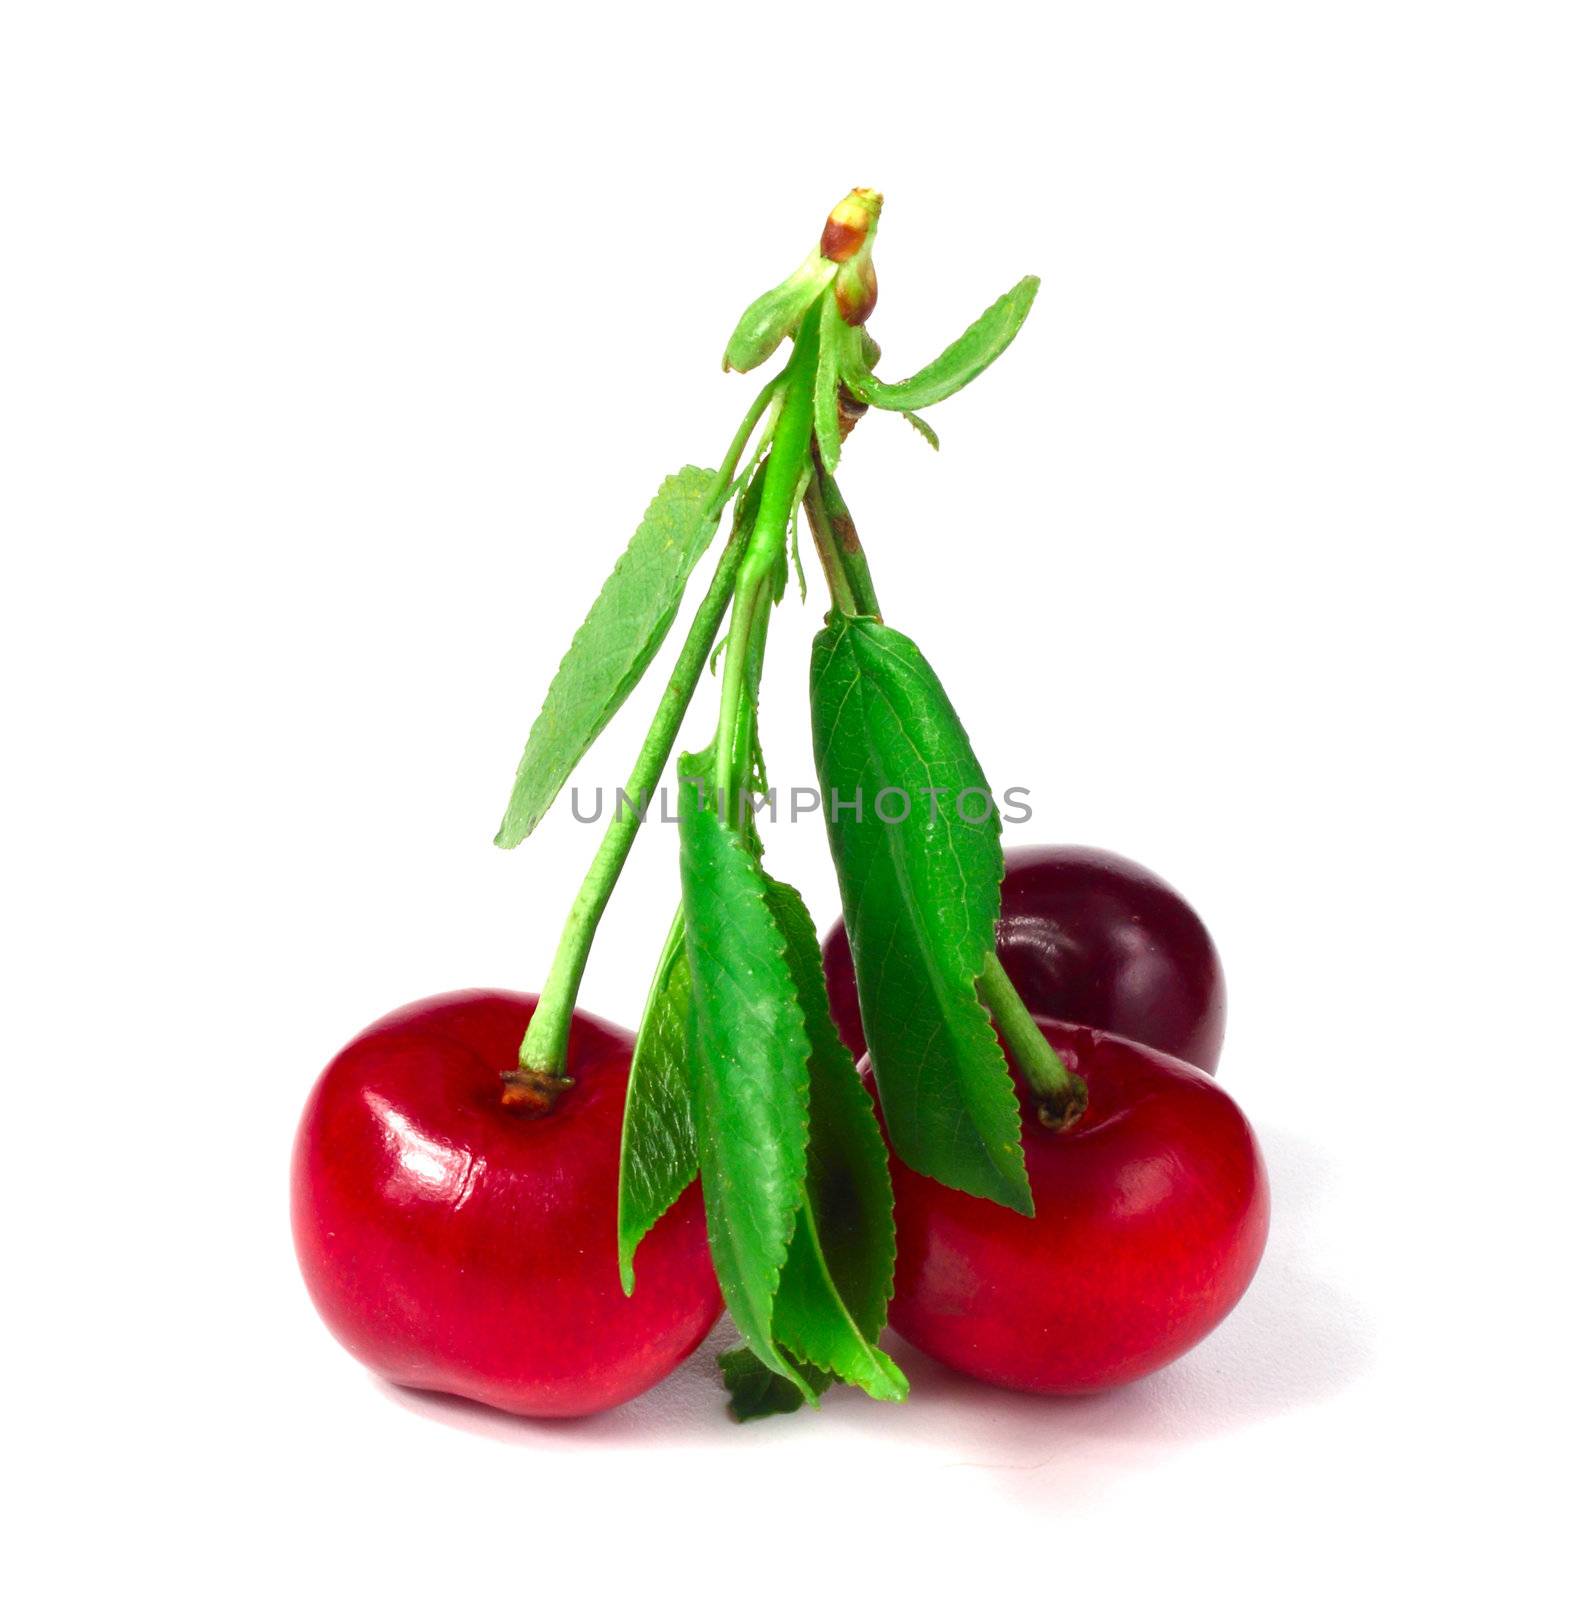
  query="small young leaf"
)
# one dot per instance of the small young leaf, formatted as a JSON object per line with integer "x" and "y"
{"x": 614, "y": 645}
{"x": 962, "y": 361}
{"x": 920, "y": 896}
{"x": 922, "y": 428}
{"x": 827, "y": 425}
{"x": 762, "y": 327}
{"x": 748, "y": 1065}
{"x": 831, "y": 1305}
{"x": 658, "y": 1153}
{"x": 778, "y": 575}
{"x": 795, "y": 555}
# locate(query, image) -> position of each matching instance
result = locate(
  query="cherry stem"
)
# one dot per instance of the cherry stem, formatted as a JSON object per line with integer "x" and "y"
{"x": 1059, "y": 1092}
{"x": 783, "y": 475}
{"x": 847, "y": 573}
{"x": 543, "y": 1051}
{"x": 746, "y": 737}
{"x": 749, "y": 616}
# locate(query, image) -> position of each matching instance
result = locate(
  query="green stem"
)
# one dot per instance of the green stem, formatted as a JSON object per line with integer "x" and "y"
{"x": 542, "y": 1055}
{"x": 734, "y": 687}
{"x": 847, "y": 572}
{"x": 1060, "y": 1093}
{"x": 748, "y": 711}
{"x": 721, "y": 489}
{"x": 842, "y": 595}
{"x": 543, "y": 1050}
{"x": 783, "y": 473}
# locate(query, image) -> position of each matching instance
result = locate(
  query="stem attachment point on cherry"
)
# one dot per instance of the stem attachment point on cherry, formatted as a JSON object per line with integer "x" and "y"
{"x": 533, "y": 1093}
{"x": 1059, "y": 1092}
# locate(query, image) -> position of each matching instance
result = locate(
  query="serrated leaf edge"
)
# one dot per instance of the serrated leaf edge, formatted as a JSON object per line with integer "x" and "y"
{"x": 1004, "y": 1190}
{"x": 889, "y": 1382}
{"x": 756, "y": 1337}
{"x": 513, "y": 830}
{"x": 675, "y": 944}
{"x": 870, "y": 390}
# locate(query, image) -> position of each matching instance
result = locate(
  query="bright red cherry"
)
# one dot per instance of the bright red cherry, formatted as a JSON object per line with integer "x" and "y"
{"x": 451, "y": 1243}
{"x": 1089, "y": 937}
{"x": 1151, "y": 1214}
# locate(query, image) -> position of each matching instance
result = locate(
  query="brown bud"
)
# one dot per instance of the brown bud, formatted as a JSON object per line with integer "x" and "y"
{"x": 857, "y": 290}
{"x": 850, "y": 224}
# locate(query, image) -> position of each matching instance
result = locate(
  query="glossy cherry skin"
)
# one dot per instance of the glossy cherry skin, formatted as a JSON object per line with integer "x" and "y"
{"x": 452, "y": 1244}
{"x": 1151, "y": 1214}
{"x": 1090, "y": 937}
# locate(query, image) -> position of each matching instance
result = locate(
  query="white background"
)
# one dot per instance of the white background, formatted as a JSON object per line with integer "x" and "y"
{"x": 342, "y": 348}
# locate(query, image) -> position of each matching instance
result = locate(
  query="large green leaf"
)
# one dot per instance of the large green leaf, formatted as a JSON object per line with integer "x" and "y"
{"x": 831, "y": 1305}
{"x": 612, "y": 648}
{"x": 658, "y": 1152}
{"x": 849, "y": 1188}
{"x": 920, "y": 896}
{"x": 748, "y": 1066}
{"x": 961, "y": 362}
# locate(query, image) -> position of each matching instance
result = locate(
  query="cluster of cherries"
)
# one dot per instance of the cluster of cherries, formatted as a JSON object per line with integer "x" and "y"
{"x": 454, "y": 1244}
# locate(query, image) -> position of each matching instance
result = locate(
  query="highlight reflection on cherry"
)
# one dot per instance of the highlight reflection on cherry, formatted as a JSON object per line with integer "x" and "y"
{"x": 451, "y": 1243}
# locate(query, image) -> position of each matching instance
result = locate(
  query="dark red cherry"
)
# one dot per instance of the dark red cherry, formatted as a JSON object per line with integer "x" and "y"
{"x": 451, "y": 1243}
{"x": 1151, "y": 1214}
{"x": 1089, "y": 937}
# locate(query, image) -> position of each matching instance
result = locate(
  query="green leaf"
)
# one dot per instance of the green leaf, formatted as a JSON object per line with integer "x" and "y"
{"x": 923, "y": 429}
{"x": 920, "y": 898}
{"x": 849, "y": 1187}
{"x": 834, "y": 337}
{"x": 775, "y": 314}
{"x": 658, "y": 1152}
{"x": 812, "y": 1322}
{"x": 756, "y": 1391}
{"x": 961, "y": 362}
{"x": 612, "y": 648}
{"x": 748, "y": 1069}
{"x": 831, "y": 1305}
